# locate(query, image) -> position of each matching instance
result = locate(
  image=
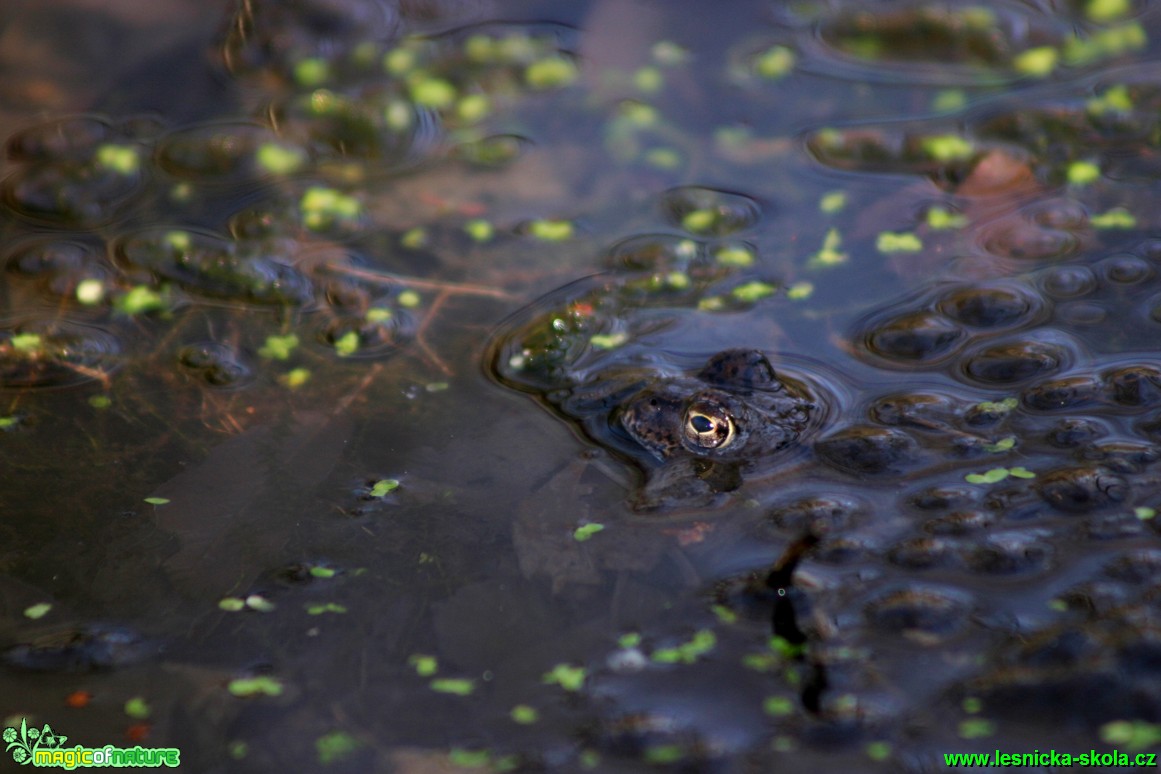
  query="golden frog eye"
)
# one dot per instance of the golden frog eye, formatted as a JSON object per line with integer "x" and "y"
{"x": 706, "y": 426}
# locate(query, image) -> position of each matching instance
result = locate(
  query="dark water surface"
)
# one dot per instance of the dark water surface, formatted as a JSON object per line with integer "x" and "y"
{"x": 361, "y": 406}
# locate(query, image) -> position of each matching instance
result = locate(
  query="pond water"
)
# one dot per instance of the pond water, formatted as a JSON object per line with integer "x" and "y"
{"x": 464, "y": 385}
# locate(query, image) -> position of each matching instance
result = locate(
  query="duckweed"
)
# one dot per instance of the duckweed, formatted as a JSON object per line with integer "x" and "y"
{"x": 552, "y": 72}
{"x": 608, "y": 340}
{"x": 778, "y": 706}
{"x": 753, "y": 291}
{"x": 347, "y": 344}
{"x": 139, "y": 300}
{"x": 551, "y": 230}
{"x": 524, "y": 714}
{"x": 995, "y": 475}
{"x": 311, "y": 72}
{"x": 433, "y": 92}
{"x": 774, "y": 63}
{"x": 1115, "y": 99}
{"x": 424, "y": 665}
{"x": 1133, "y": 734}
{"x": 457, "y": 686}
{"x": 663, "y": 754}
{"x": 37, "y": 611}
{"x": 800, "y": 291}
{"x": 384, "y": 487}
{"x": 1118, "y": 217}
{"x": 946, "y": 148}
{"x": 335, "y": 746}
{"x": 878, "y": 751}
{"x": 702, "y": 642}
{"x": 1037, "y": 62}
{"x": 279, "y": 159}
{"x": 586, "y": 531}
{"x": 898, "y": 242}
{"x": 90, "y": 292}
{"x": 262, "y": 685}
{"x": 949, "y": 100}
{"x": 939, "y": 218}
{"x": 325, "y": 207}
{"x": 1002, "y": 445}
{"x": 278, "y": 347}
{"x": 138, "y": 708}
{"x": 26, "y": 342}
{"x": 648, "y": 79}
{"x": 629, "y": 640}
{"x": 976, "y": 728}
{"x": 469, "y": 759}
{"x": 737, "y": 256}
{"x": 1102, "y": 11}
{"x": 833, "y": 202}
{"x": 1105, "y": 43}
{"x": 831, "y": 253}
{"x": 122, "y": 159}
{"x": 1081, "y": 173}
{"x": 295, "y": 378}
{"x": 568, "y": 677}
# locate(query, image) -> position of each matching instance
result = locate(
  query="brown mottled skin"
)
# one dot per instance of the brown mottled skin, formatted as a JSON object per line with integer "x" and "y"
{"x": 735, "y": 409}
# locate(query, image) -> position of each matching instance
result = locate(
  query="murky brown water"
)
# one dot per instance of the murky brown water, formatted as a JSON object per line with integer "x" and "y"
{"x": 500, "y": 385}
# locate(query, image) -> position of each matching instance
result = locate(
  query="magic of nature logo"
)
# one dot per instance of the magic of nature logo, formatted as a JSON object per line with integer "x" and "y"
{"x": 46, "y": 748}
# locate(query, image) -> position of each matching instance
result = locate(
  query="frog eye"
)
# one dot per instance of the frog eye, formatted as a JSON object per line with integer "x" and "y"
{"x": 706, "y": 426}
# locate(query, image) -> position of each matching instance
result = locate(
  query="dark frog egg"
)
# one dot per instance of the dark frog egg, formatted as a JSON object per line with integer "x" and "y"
{"x": 988, "y": 307}
{"x": 1126, "y": 269}
{"x": 736, "y": 408}
{"x": 1019, "y": 239}
{"x": 1058, "y": 213}
{"x": 1009, "y": 553}
{"x": 920, "y": 609}
{"x": 216, "y": 364}
{"x": 1081, "y": 489}
{"x": 41, "y": 259}
{"x": 96, "y": 647}
{"x": 1068, "y": 281}
{"x": 1069, "y": 392}
{"x": 818, "y": 515}
{"x": 870, "y": 450}
{"x": 921, "y": 552}
{"x": 656, "y": 253}
{"x": 1073, "y": 432}
{"x": 1011, "y": 362}
{"x": 68, "y": 139}
{"x": 710, "y": 212}
{"x": 1134, "y": 386}
{"x": 51, "y": 353}
{"x": 223, "y": 152}
{"x": 913, "y": 337}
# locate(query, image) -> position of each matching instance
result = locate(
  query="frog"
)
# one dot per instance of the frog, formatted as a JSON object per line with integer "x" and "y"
{"x": 735, "y": 409}
{"x": 697, "y": 435}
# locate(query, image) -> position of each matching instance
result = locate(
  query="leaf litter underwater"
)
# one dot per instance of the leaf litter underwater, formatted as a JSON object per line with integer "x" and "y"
{"x": 441, "y": 385}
